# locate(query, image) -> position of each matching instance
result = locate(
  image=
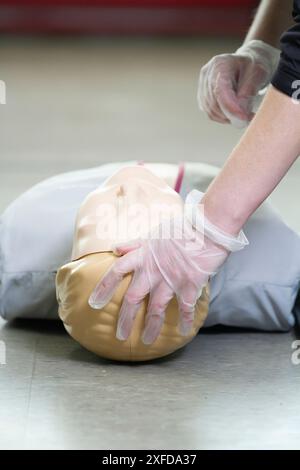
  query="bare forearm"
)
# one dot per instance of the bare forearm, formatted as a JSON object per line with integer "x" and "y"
{"x": 273, "y": 17}
{"x": 263, "y": 156}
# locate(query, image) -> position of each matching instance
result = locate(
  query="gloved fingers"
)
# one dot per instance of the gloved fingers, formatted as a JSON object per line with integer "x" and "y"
{"x": 128, "y": 313}
{"x": 224, "y": 84}
{"x": 159, "y": 298}
{"x": 228, "y": 102}
{"x": 214, "y": 111}
{"x": 223, "y": 80}
{"x": 207, "y": 101}
{"x": 248, "y": 88}
{"x": 202, "y": 88}
{"x": 107, "y": 285}
{"x": 124, "y": 248}
{"x": 216, "y": 95}
{"x": 132, "y": 301}
{"x": 187, "y": 304}
{"x": 252, "y": 80}
{"x": 228, "y": 83}
{"x": 246, "y": 103}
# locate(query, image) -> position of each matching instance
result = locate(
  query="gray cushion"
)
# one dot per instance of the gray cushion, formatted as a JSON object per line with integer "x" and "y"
{"x": 255, "y": 288}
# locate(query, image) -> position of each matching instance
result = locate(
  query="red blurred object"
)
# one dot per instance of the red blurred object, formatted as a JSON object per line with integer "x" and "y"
{"x": 214, "y": 17}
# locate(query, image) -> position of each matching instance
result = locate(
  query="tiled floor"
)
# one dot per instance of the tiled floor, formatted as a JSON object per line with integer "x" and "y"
{"x": 76, "y": 103}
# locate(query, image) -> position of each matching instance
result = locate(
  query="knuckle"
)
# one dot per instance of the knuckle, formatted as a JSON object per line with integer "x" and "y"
{"x": 218, "y": 59}
{"x": 187, "y": 307}
{"x": 217, "y": 89}
{"x": 223, "y": 61}
{"x": 157, "y": 307}
{"x": 133, "y": 298}
{"x": 117, "y": 270}
{"x": 220, "y": 86}
{"x": 187, "y": 310}
{"x": 203, "y": 70}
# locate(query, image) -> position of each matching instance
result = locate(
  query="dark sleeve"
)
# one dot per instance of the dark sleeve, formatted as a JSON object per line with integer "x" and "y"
{"x": 288, "y": 69}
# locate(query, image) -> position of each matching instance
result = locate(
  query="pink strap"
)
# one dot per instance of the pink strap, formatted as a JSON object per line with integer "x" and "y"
{"x": 180, "y": 175}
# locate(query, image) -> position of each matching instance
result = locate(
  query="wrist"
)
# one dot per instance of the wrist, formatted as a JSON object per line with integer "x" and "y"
{"x": 261, "y": 51}
{"x": 231, "y": 220}
{"x": 195, "y": 212}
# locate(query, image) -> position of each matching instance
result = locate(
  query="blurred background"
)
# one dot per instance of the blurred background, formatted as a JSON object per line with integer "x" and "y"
{"x": 96, "y": 81}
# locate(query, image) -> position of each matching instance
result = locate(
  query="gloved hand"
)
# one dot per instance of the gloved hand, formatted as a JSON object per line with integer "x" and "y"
{"x": 176, "y": 259}
{"x": 229, "y": 83}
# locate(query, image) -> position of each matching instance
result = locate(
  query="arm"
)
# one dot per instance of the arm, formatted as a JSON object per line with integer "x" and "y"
{"x": 273, "y": 17}
{"x": 229, "y": 84}
{"x": 269, "y": 146}
{"x": 260, "y": 160}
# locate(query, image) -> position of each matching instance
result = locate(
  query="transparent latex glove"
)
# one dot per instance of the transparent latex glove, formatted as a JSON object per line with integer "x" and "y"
{"x": 177, "y": 258}
{"x": 231, "y": 85}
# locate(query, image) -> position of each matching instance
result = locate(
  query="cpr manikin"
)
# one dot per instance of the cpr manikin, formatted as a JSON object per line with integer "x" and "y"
{"x": 116, "y": 213}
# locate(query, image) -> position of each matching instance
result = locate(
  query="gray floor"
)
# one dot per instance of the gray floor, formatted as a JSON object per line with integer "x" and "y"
{"x": 75, "y": 103}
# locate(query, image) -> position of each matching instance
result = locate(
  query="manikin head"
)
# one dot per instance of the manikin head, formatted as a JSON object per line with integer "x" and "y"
{"x": 129, "y": 204}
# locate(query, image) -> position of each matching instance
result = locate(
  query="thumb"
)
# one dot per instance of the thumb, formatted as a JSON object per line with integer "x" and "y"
{"x": 248, "y": 104}
{"x": 252, "y": 81}
{"x": 229, "y": 104}
{"x": 121, "y": 249}
{"x": 249, "y": 87}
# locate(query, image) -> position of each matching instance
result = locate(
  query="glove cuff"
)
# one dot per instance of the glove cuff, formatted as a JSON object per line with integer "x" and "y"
{"x": 261, "y": 50}
{"x": 198, "y": 220}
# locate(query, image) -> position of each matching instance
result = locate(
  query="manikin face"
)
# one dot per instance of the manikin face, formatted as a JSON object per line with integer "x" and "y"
{"x": 128, "y": 205}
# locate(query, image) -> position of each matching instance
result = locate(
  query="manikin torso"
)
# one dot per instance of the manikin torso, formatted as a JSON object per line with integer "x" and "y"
{"x": 126, "y": 206}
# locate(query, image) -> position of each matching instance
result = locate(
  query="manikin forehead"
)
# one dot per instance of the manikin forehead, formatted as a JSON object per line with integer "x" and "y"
{"x": 127, "y": 206}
